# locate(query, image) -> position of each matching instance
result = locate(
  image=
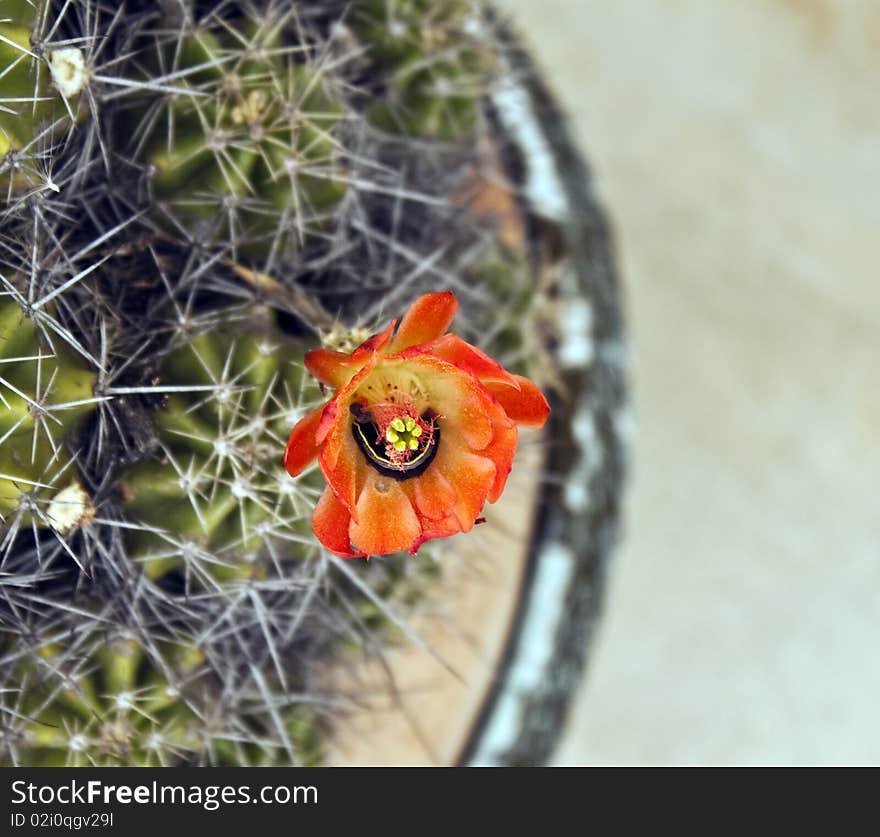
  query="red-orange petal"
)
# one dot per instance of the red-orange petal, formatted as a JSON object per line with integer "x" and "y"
{"x": 347, "y": 475}
{"x": 331, "y": 523}
{"x": 427, "y": 318}
{"x": 471, "y": 416}
{"x": 462, "y": 354}
{"x": 432, "y": 529}
{"x": 372, "y": 345}
{"x": 526, "y": 406}
{"x": 329, "y": 367}
{"x": 302, "y": 446}
{"x": 472, "y": 478}
{"x": 501, "y": 452}
{"x": 387, "y": 521}
{"x": 331, "y": 432}
{"x": 328, "y": 419}
{"x": 434, "y": 495}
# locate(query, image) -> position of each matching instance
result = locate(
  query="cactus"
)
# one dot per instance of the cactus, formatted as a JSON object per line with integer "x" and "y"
{"x": 248, "y": 136}
{"x": 252, "y": 137}
{"x": 429, "y": 61}
{"x": 41, "y": 84}
{"x": 44, "y": 393}
{"x": 192, "y": 195}
{"x": 113, "y": 707}
{"x": 216, "y": 482}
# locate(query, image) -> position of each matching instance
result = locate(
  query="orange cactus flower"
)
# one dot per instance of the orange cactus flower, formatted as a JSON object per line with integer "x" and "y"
{"x": 420, "y": 433}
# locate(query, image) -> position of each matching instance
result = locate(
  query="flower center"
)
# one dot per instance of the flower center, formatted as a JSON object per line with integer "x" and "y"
{"x": 403, "y": 434}
{"x": 396, "y": 440}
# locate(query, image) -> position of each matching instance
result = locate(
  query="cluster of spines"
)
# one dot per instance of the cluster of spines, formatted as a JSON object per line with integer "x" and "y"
{"x": 214, "y": 490}
{"x": 428, "y": 62}
{"x": 246, "y": 140}
{"x": 45, "y": 390}
{"x": 96, "y": 699}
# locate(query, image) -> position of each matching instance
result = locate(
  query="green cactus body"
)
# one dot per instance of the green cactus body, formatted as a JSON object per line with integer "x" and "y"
{"x": 116, "y": 710}
{"x": 250, "y": 137}
{"x": 219, "y": 486}
{"x": 44, "y": 392}
{"x": 432, "y": 67}
{"x": 32, "y": 92}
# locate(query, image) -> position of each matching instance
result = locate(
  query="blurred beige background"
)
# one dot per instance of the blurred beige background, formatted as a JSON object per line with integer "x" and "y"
{"x": 737, "y": 147}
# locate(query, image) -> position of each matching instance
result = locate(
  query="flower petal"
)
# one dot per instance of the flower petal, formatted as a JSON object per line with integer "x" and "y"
{"x": 471, "y": 476}
{"x": 462, "y": 354}
{"x": 427, "y": 318}
{"x": 302, "y": 446}
{"x": 372, "y": 345}
{"x": 331, "y": 525}
{"x": 347, "y": 475}
{"x": 329, "y": 367}
{"x": 471, "y": 418}
{"x": 328, "y": 420}
{"x": 386, "y": 520}
{"x": 501, "y": 452}
{"x": 434, "y": 496}
{"x": 432, "y": 529}
{"x": 334, "y": 426}
{"x": 526, "y": 406}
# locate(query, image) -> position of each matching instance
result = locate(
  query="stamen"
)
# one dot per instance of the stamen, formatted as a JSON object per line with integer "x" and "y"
{"x": 404, "y": 443}
{"x": 402, "y": 435}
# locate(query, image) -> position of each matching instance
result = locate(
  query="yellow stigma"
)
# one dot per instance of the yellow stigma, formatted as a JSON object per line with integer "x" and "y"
{"x": 403, "y": 433}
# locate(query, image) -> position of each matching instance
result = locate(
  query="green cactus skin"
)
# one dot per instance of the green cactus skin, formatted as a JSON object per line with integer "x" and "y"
{"x": 44, "y": 392}
{"x": 250, "y": 139}
{"x": 427, "y": 57}
{"x": 116, "y": 709}
{"x": 30, "y": 102}
{"x": 20, "y": 81}
{"x": 219, "y": 486}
